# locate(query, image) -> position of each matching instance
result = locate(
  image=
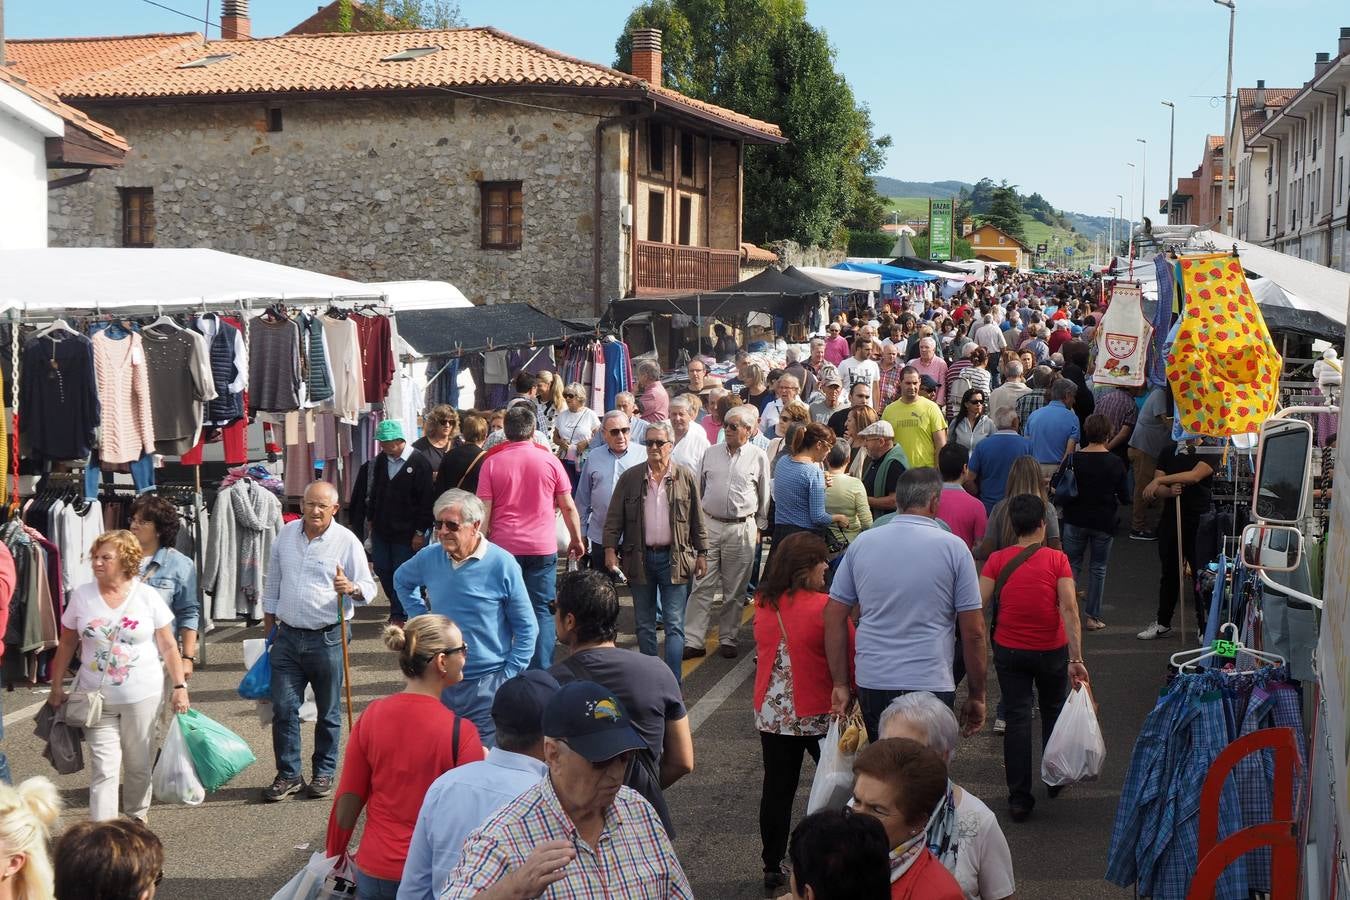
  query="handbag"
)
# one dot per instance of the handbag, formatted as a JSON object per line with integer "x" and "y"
{"x": 85, "y": 708}
{"x": 1013, "y": 565}
{"x": 1064, "y": 483}
{"x": 836, "y": 542}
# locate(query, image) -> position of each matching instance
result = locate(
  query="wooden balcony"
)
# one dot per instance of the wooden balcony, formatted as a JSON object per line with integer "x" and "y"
{"x": 673, "y": 268}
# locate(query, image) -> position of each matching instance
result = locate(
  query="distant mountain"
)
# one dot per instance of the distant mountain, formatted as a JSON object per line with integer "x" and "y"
{"x": 894, "y": 187}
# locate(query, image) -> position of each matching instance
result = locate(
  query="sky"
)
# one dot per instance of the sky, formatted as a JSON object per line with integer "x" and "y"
{"x": 1047, "y": 94}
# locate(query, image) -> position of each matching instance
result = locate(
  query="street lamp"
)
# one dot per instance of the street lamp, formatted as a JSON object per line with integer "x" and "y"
{"x": 1227, "y": 115}
{"x": 1111, "y": 240}
{"x": 1121, "y": 207}
{"x": 1171, "y": 138}
{"x": 1143, "y": 182}
{"x": 1129, "y": 222}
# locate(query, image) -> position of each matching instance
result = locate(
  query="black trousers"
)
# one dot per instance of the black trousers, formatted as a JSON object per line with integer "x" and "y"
{"x": 782, "y": 770}
{"x": 1169, "y": 589}
{"x": 873, "y": 703}
{"x": 1018, "y": 671}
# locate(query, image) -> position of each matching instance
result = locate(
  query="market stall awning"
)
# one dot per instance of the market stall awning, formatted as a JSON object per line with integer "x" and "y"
{"x": 770, "y": 291}
{"x": 925, "y": 265}
{"x": 93, "y": 278}
{"x": 889, "y": 274}
{"x": 852, "y": 281}
{"x": 1307, "y": 285}
{"x": 446, "y": 332}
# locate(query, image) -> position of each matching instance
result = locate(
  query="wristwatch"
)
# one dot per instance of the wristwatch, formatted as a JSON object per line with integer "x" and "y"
{"x": 191, "y": 659}
{"x": 180, "y": 687}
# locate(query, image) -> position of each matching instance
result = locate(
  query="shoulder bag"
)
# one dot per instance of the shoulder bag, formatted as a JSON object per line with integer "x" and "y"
{"x": 473, "y": 465}
{"x": 1013, "y": 565}
{"x": 1064, "y": 483}
{"x": 85, "y": 708}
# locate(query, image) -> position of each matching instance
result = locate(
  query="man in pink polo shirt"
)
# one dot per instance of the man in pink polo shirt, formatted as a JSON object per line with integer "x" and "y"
{"x": 963, "y": 512}
{"x": 521, "y": 484}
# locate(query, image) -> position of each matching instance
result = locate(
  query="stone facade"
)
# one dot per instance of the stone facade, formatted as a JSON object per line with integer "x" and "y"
{"x": 374, "y": 189}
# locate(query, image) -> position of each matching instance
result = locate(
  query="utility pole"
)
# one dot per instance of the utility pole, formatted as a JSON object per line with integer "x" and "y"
{"x": 1227, "y": 195}
{"x": 1111, "y": 239}
{"x": 1171, "y": 141}
{"x": 1143, "y": 183}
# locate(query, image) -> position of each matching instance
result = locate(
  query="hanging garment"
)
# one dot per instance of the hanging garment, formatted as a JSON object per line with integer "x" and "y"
{"x": 318, "y": 376}
{"x": 180, "y": 383}
{"x": 1223, "y": 367}
{"x": 377, "y": 355}
{"x": 59, "y": 400}
{"x": 273, "y": 365}
{"x": 1162, "y": 321}
{"x": 1122, "y": 340}
{"x": 124, "y": 395}
{"x": 344, "y": 349}
{"x": 229, "y": 368}
{"x": 245, "y": 522}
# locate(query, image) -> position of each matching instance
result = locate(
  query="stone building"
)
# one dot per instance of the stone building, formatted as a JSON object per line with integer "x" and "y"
{"x": 467, "y": 155}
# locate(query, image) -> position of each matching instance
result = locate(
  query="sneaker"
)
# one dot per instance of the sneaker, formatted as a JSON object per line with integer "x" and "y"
{"x": 321, "y": 786}
{"x": 281, "y": 788}
{"x": 1000, "y": 726}
{"x": 1143, "y": 535}
{"x": 1153, "y": 632}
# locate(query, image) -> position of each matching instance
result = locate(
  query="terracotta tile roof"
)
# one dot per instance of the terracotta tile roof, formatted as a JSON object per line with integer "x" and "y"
{"x": 1213, "y": 141}
{"x": 469, "y": 58}
{"x": 51, "y": 62}
{"x": 1252, "y": 117}
{"x": 53, "y": 104}
{"x": 751, "y": 253}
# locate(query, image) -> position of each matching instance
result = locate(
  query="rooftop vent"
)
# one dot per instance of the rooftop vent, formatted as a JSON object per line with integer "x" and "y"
{"x": 409, "y": 54}
{"x": 206, "y": 61}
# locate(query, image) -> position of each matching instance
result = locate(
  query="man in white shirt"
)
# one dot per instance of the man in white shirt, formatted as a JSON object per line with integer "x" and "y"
{"x": 990, "y": 336}
{"x": 690, "y": 442}
{"x": 860, "y": 368}
{"x": 1014, "y": 386}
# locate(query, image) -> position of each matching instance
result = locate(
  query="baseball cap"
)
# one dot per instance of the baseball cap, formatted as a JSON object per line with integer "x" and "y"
{"x": 928, "y": 383}
{"x": 389, "y": 430}
{"x": 831, "y": 376}
{"x": 592, "y": 721}
{"x": 519, "y": 704}
{"x": 880, "y": 428}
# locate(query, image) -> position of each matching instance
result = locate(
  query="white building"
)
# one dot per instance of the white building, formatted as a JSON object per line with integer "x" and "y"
{"x": 1254, "y": 185}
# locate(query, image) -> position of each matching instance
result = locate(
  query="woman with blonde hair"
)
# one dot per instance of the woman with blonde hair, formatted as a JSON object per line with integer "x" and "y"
{"x": 858, "y": 418}
{"x": 1024, "y": 477}
{"x": 573, "y": 429}
{"x": 388, "y": 774}
{"x": 27, "y": 814}
{"x": 440, "y": 427}
{"x": 757, "y": 391}
{"x": 122, "y": 628}
{"x": 550, "y": 397}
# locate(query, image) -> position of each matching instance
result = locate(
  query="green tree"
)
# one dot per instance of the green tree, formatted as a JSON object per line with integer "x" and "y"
{"x": 1005, "y": 211}
{"x": 961, "y": 248}
{"x": 781, "y": 70}
{"x": 398, "y": 15}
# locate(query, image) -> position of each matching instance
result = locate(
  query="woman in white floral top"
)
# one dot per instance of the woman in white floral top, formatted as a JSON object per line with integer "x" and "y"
{"x": 122, "y": 628}
{"x": 792, "y": 683}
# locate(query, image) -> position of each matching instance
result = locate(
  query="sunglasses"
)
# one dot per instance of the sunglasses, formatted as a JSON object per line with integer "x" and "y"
{"x": 658, "y": 444}
{"x": 452, "y": 527}
{"x": 978, "y": 400}
{"x": 615, "y": 432}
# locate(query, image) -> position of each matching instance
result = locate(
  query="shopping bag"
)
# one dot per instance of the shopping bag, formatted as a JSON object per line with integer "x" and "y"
{"x": 833, "y": 784}
{"x": 1075, "y": 751}
{"x": 257, "y": 683}
{"x": 322, "y": 878}
{"x": 218, "y": 754}
{"x": 309, "y": 710}
{"x": 174, "y": 779}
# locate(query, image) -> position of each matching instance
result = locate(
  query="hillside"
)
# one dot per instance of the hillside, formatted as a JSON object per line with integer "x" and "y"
{"x": 894, "y": 187}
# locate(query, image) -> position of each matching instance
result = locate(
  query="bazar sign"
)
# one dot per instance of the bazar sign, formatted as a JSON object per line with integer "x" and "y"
{"x": 940, "y": 228}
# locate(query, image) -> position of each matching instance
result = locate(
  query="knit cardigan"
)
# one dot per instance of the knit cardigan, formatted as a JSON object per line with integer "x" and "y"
{"x": 220, "y": 574}
{"x": 124, "y": 393}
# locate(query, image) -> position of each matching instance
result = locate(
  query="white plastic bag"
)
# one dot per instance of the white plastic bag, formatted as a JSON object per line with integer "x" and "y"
{"x": 1075, "y": 751}
{"x": 309, "y": 710}
{"x": 322, "y": 878}
{"x": 174, "y": 780}
{"x": 833, "y": 784}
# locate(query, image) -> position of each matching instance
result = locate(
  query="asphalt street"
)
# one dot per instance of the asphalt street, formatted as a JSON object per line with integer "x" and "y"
{"x": 235, "y": 846}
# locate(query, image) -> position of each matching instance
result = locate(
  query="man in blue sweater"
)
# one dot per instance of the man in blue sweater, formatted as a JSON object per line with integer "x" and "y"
{"x": 480, "y": 587}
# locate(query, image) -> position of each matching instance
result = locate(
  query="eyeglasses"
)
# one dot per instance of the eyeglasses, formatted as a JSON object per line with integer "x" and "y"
{"x": 615, "y": 432}
{"x": 658, "y": 444}
{"x": 462, "y": 648}
{"x": 570, "y": 397}
{"x": 159, "y": 879}
{"x": 452, "y": 527}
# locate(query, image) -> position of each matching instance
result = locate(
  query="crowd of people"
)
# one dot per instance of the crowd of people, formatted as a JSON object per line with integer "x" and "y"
{"x": 930, "y": 427}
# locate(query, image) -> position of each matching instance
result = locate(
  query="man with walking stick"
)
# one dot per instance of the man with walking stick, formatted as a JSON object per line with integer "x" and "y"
{"x": 317, "y": 572}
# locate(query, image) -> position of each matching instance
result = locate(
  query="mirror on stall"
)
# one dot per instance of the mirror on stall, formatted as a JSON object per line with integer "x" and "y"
{"x": 1283, "y": 460}
{"x": 1272, "y": 548}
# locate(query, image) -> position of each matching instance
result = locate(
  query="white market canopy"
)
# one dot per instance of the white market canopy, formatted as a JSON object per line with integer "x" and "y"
{"x": 853, "y": 281}
{"x": 1304, "y": 285}
{"x": 105, "y": 278}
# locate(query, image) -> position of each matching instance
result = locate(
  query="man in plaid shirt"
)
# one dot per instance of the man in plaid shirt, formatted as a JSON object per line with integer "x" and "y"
{"x": 580, "y": 833}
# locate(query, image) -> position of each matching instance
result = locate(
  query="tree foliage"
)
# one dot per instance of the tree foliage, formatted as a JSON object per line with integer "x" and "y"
{"x": 1005, "y": 211}
{"x": 780, "y": 69}
{"x": 398, "y": 15}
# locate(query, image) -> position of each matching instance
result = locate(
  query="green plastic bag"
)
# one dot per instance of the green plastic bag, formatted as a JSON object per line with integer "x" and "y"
{"x": 218, "y": 754}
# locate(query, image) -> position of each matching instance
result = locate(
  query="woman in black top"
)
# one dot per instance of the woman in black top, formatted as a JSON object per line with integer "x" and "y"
{"x": 1182, "y": 480}
{"x": 439, "y": 426}
{"x": 461, "y": 465}
{"x": 1090, "y": 517}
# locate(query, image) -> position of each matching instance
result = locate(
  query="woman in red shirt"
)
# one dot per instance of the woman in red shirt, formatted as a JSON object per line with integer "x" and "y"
{"x": 792, "y": 683}
{"x": 388, "y": 774}
{"x": 1036, "y": 640}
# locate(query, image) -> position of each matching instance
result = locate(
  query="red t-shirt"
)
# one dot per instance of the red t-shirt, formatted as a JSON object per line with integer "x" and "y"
{"x": 1028, "y": 607}
{"x": 392, "y": 773}
{"x": 521, "y": 479}
{"x": 926, "y": 879}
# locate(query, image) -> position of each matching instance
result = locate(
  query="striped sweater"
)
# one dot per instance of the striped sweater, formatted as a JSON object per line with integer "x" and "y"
{"x": 124, "y": 393}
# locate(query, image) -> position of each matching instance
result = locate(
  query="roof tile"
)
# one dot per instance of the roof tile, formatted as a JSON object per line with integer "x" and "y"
{"x": 52, "y": 103}
{"x": 49, "y": 62}
{"x": 1252, "y": 117}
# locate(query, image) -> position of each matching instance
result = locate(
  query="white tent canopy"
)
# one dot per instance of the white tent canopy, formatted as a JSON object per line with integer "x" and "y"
{"x": 112, "y": 278}
{"x": 1306, "y": 285}
{"x": 404, "y": 295}
{"x": 853, "y": 281}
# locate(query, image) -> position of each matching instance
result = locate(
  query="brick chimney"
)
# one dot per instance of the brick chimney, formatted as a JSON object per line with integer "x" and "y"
{"x": 1321, "y": 63}
{"x": 234, "y": 24}
{"x": 1259, "y": 98}
{"x": 1344, "y": 46}
{"x": 647, "y": 55}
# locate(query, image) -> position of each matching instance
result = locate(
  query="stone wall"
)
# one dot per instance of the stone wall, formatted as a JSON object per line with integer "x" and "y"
{"x": 791, "y": 253}
{"x": 373, "y": 190}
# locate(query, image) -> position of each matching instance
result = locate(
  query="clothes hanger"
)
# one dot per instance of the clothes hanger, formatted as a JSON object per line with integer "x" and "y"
{"x": 58, "y": 325}
{"x": 1180, "y": 660}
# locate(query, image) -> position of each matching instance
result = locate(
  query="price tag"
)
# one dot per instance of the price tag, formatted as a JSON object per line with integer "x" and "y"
{"x": 1224, "y": 648}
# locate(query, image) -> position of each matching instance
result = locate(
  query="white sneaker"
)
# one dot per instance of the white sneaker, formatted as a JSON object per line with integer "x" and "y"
{"x": 1153, "y": 632}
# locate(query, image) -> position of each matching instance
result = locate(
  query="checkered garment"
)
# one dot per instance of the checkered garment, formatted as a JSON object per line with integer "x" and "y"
{"x": 890, "y": 383}
{"x": 1118, "y": 406}
{"x": 632, "y": 860}
{"x": 1142, "y": 793}
{"x": 1027, "y": 404}
{"x": 1271, "y": 706}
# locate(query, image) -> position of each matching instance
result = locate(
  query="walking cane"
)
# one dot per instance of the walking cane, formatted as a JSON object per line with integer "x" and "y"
{"x": 346, "y": 664}
{"x": 1181, "y": 577}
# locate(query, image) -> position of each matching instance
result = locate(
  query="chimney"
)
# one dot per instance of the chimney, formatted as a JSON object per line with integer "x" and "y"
{"x": 234, "y": 24}
{"x": 1344, "y": 46}
{"x": 647, "y": 55}
{"x": 1321, "y": 63}
{"x": 1259, "y": 98}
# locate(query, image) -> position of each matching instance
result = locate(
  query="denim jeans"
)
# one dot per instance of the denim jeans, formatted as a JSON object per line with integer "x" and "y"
{"x": 1018, "y": 671}
{"x": 673, "y": 598}
{"x": 5, "y": 775}
{"x": 1076, "y": 543}
{"x": 302, "y": 658}
{"x": 368, "y": 887}
{"x": 541, "y": 583}
{"x": 874, "y": 702}
{"x": 385, "y": 557}
{"x": 142, "y": 475}
{"x": 472, "y": 699}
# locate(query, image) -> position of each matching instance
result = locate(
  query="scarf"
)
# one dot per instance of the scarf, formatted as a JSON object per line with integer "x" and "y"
{"x": 943, "y": 841}
{"x": 249, "y": 503}
{"x": 903, "y": 857}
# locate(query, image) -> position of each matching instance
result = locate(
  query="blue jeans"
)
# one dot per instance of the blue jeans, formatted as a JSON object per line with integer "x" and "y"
{"x": 142, "y": 475}
{"x": 1076, "y": 541}
{"x": 368, "y": 887}
{"x": 472, "y": 699}
{"x": 541, "y": 583}
{"x": 673, "y": 598}
{"x": 386, "y": 556}
{"x": 299, "y": 658}
{"x": 5, "y": 775}
{"x": 873, "y": 703}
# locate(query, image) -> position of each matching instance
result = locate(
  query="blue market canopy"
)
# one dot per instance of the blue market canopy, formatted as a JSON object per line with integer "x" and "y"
{"x": 889, "y": 274}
